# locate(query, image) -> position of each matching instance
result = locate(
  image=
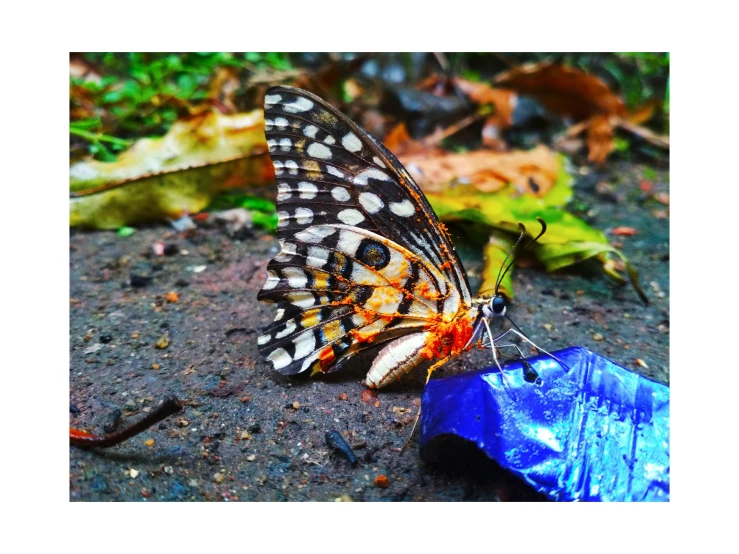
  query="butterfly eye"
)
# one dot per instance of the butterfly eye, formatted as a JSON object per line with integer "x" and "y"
{"x": 498, "y": 305}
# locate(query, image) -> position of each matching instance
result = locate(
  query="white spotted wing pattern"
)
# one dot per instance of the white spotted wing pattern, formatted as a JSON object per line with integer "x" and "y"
{"x": 364, "y": 261}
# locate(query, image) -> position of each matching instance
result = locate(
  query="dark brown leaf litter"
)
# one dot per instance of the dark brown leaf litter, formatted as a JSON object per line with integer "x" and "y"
{"x": 212, "y": 364}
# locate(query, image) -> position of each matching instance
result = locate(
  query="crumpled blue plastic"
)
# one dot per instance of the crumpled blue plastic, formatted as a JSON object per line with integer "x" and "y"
{"x": 593, "y": 432}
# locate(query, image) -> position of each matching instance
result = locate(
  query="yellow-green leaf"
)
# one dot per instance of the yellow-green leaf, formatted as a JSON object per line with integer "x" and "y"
{"x": 494, "y": 254}
{"x": 164, "y": 178}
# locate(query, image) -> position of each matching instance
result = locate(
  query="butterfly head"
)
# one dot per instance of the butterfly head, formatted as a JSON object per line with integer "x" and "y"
{"x": 495, "y": 308}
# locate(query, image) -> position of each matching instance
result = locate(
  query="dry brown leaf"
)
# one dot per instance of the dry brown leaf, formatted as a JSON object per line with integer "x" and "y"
{"x": 645, "y": 112}
{"x": 600, "y": 138}
{"x": 624, "y": 231}
{"x": 563, "y": 90}
{"x": 503, "y": 100}
{"x": 534, "y": 171}
{"x": 223, "y": 87}
{"x": 400, "y": 143}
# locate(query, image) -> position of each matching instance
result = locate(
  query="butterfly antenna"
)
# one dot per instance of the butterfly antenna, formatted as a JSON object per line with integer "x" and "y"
{"x": 499, "y": 278}
{"x": 524, "y": 249}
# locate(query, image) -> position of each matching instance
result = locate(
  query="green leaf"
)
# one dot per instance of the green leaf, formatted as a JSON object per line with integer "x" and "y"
{"x": 265, "y": 221}
{"x": 568, "y": 240}
{"x": 126, "y": 231}
{"x": 494, "y": 254}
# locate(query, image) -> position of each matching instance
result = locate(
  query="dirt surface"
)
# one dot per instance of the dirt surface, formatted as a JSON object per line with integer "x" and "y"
{"x": 249, "y": 433}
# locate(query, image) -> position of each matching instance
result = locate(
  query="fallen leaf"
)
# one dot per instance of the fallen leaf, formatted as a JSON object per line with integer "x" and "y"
{"x": 164, "y": 178}
{"x": 568, "y": 240}
{"x": 504, "y": 101}
{"x": 534, "y": 171}
{"x": 570, "y": 92}
{"x": 662, "y": 198}
{"x": 660, "y": 214}
{"x": 624, "y": 231}
{"x": 494, "y": 254}
{"x": 600, "y": 138}
{"x": 563, "y": 90}
{"x": 646, "y": 186}
{"x": 645, "y": 112}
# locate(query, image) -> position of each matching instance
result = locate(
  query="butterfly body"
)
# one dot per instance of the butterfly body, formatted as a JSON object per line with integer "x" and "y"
{"x": 364, "y": 261}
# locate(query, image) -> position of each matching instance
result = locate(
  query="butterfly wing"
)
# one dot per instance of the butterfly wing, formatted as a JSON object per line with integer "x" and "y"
{"x": 364, "y": 259}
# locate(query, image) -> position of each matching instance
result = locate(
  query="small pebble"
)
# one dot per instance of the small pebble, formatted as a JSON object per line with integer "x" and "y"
{"x": 219, "y": 478}
{"x": 382, "y": 481}
{"x": 155, "y": 366}
{"x": 598, "y": 337}
{"x": 163, "y": 342}
{"x": 336, "y": 441}
{"x": 133, "y": 473}
{"x": 172, "y": 297}
{"x": 369, "y": 395}
{"x": 149, "y": 442}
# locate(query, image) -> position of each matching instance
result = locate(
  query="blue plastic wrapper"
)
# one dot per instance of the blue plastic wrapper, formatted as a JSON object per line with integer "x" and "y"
{"x": 591, "y": 432}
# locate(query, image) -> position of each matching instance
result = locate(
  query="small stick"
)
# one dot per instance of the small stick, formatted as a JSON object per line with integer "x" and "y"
{"x": 435, "y": 138}
{"x": 83, "y": 439}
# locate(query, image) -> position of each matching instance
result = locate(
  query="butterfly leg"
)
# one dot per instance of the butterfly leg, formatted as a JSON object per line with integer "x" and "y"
{"x": 524, "y": 337}
{"x": 418, "y": 415}
{"x": 495, "y": 355}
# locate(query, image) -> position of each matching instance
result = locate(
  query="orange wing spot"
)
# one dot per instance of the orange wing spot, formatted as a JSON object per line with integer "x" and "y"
{"x": 326, "y": 358}
{"x": 425, "y": 290}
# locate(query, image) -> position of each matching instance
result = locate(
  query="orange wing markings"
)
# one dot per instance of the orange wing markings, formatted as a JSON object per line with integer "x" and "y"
{"x": 326, "y": 358}
{"x": 448, "y": 339}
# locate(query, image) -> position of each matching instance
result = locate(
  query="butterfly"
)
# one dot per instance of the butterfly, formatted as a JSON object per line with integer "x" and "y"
{"x": 364, "y": 261}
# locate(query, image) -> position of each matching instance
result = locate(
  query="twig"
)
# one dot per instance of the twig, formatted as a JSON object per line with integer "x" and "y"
{"x": 436, "y": 138}
{"x": 86, "y": 440}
